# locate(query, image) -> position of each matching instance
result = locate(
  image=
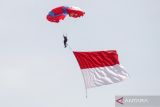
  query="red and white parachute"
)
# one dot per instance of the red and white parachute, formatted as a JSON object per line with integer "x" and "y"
{"x": 59, "y": 13}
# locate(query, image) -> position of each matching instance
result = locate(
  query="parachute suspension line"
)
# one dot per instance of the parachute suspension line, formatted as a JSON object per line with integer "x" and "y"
{"x": 86, "y": 92}
{"x": 85, "y": 86}
{"x": 70, "y": 47}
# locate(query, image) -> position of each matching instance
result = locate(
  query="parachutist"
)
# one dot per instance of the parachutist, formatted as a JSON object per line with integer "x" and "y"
{"x": 65, "y": 41}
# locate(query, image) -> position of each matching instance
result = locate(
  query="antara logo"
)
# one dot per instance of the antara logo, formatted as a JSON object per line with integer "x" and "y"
{"x": 120, "y": 100}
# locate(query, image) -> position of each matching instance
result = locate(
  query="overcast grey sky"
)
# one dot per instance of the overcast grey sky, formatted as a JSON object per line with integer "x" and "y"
{"x": 36, "y": 70}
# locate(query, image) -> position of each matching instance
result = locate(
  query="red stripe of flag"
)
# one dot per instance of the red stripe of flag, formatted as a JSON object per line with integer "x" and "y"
{"x": 96, "y": 59}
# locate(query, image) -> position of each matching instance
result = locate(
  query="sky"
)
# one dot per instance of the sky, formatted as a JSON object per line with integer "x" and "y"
{"x": 37, "y": 71}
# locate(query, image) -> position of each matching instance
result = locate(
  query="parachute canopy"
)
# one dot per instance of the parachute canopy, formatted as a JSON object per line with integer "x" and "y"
{"x": 59, "y": 13}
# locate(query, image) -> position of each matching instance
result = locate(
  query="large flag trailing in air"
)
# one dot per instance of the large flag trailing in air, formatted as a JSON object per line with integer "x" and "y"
{"x": 100, "y": 68}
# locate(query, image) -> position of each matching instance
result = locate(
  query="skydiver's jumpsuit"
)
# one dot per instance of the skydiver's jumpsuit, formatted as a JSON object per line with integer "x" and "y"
{"x": 65, "y": 41}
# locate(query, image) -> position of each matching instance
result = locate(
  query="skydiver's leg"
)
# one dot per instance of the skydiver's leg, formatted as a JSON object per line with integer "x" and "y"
{"x": 65, "y": 44}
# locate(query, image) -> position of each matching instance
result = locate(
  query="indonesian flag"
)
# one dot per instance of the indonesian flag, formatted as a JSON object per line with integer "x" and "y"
{"x": 100, "y": 68}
